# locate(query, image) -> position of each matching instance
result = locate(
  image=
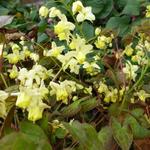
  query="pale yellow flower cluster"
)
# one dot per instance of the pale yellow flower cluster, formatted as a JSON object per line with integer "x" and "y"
{"x": 103, "y": 42}
{"x": 110, "y": 94}
{"x": 130, "y": 70}
{"x": 31, "y": 100}
{"x": 20, "y": 53}
{"x": 57, "y": 124}
{"x": 13, "y": 72}
{"x": 63, "y": 28}
{"x": 138, "y": 53}
{"x": 33, "y": 90}
{"x": 72, "y": 58}
{"x": 84, "y": 13}
{"x": 63, "y": 90}
{"x": 148, "y": 11}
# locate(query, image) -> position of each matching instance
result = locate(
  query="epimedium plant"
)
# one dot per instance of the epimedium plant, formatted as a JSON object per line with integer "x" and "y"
{"x": 75, "y": 85}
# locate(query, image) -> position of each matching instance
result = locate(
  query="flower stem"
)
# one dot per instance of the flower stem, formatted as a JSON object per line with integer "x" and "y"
{"x": 4, "y": 81}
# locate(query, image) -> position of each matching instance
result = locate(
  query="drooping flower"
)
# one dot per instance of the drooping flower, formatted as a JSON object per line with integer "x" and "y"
{"x": 77, "y": 7}
{"x": 148, "y": 11}
{"x": 13, "y": 72}
{"x": 43, "y": 11}
{"x": 54, "y": 12}
{"x": 55, "y": 50}
{"x": 91, "y": 68}
{"x": 130, "y": 71}
{"x": 14, "y": 57}
{"x": 34, "y": 76}
{"x": 31, "y": 99}
{"x": 63, "y": 28}
{"x": 63, "y": 90}
{"x": 128, "y": 50}
{"x": 24, "y": 98}
{"x": 97, "y": 31}
{"x": 35, "y": 112}
{"x": 142, "y": 95}
{"x": 84, "y": 13}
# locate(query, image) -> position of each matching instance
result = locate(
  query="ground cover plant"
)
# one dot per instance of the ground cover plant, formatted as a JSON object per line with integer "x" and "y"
{"x": 74, "y": 75}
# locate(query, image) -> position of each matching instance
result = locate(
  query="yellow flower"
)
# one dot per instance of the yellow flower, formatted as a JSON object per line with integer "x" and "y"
{"x": 26, "y": 51}
{"x": 107, "y": 97}
{"x": 60, "y": 91}
{"x": 73, "y": 66}
{"x": 43, "y": 11}
{"x": 147, "y": 45}
{"x": 82, "y": 49}
{"x": 63, "y": 28}
{"x": 103, "y": 41}
{"x": 34, "y": 56}
{"x": 77, "y": 7}
{"x": 55, "y": 51}
{"x": 79, "y": 44}
{"x": 24, "y": 99}
{"x": 56, "y": 124}
{"x": 80, "y": 57}
{"x": 63, "y": 90}
{"x": 88, "y": 90}
{"x": 135, "y": 58}
{"x": 128, "y": 50}
{"x": 54, "y": 12}
{"x": 103, "y": 88}
{"x": 130, "y": 70}
{"x": 97, "y": 31}
{"x": 91, "y": 68}
{"x": 142, "y": 95}
{"x": 85, "y": 14}
{"x": 13, "y": 72}
{"x": 13, "y": 58}
{"x": 15, "y": 47}
{"x": 35, "y": 112}
{"x": 101, "y": 45}
{"x": 148, "y": 11}
{"x": 114, "y": 95}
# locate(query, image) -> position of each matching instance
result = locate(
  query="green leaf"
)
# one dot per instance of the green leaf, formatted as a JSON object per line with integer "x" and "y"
{"x": 85, "y": 134}
{"x": 132, "y": 8}
{"x": 43, "y": 123}
{"x": 35, "y": 134}
{"x": 72, "y": 109}
{"x": 138, "y": 112}
{"x": 101, "y": 8}
{"x": 107, "y": 8}
{"x": 42, "y": 37}
{"x": 120, "y": 24}
{"x": 105, "y": 137}
{"x": 33, "y": 131}
{"x": 120, "y": 3}
{"x": 60, "y": 133}
{"x": 138, "y": 130}
{"x": 89, "y": 104}
{"x": 16, "y": 141}
{"x": 88, "y": 30}
{"x": 4, "y": 11}
{"x": 97, "y": 5}
{"x": 42, "y": 25}
{"x": 121, "y": 134}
